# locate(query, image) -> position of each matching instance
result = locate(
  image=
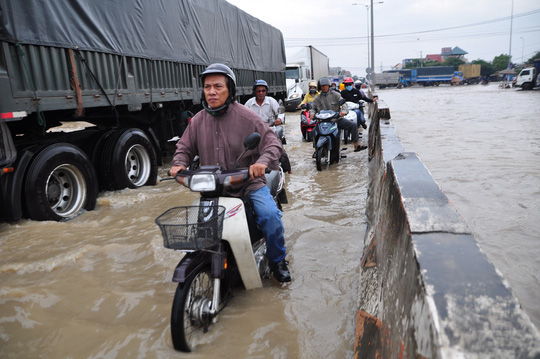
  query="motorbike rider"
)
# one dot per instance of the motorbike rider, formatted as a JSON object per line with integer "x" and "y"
{"x": 329, "y": 100}
{"x": 264, "y": 106}
{"x": 309, "y": 97}
{"x": 352, "y": 94}
{"x": 216, "y": 134}
{"x": 334, "y": 87}
{"x": 267, "y": 108}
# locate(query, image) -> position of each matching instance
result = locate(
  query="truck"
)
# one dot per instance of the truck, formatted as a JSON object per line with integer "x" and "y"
{"x": 471, "y": 73}
{"x": 94, "y": 94}
{"x": 304, "y": 64}
{"x": 386, "y": 79}
{"x": 432, "y": 76}
{"x": 528, "y": 77}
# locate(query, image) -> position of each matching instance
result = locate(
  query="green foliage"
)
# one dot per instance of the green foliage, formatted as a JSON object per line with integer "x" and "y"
{"x": 486, "y": 68}
{"x": 453, "y": 61}
{"x": 500, "y": 62}
{"x": 534, "y": 57}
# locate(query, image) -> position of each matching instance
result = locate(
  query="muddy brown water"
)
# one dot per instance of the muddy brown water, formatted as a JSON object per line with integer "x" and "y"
{"x": 99, "y": 286}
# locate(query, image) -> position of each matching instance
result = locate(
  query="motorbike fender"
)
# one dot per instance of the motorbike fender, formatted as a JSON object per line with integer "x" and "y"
{"x": 236, "y": 233}
{"x": 322, "y": 140}
{"x": 189, "y": 264}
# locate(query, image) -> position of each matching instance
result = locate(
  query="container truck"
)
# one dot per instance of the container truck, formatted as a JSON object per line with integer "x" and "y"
{"x": 386, "y": 79}
{"x": 528, "y": 77}
{"x": 471, "y": 73}
{"x": 432, "y": 76}
{"x": 127, "y": 69}
{"x": 304, "y": 64}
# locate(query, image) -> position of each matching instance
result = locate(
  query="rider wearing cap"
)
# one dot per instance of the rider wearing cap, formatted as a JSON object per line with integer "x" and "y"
{"x": 264, "y": 106}
{"x": 329, "y": 100}
{"x": 216, "y": 135}
{"x": 352, "y": 94}
{"x": 310, "y": 96}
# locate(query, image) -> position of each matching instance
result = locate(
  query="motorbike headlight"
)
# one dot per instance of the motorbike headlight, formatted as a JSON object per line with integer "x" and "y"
{"x": 324, "y": 116}
{"x": 202, "y": 183}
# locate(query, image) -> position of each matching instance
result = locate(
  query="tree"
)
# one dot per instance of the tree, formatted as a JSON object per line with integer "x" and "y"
{"x": 534, "y": 57}
{"x": 500, "y": 62}
{"x": 453, "y": 61}
{"x": 486, "y": 68}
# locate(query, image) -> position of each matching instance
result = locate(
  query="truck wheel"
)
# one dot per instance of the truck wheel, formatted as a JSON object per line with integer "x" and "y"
{"x": 526, "y": 86}
{"x": 128, "y": 159}
{"x": 60, "y": 183}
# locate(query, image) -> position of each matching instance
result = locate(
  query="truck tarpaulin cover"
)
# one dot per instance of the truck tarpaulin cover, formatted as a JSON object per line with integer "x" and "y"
{"x": 190, "y": 31}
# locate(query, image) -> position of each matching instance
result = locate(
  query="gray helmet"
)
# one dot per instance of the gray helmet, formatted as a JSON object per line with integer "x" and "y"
{"x": 260, "y": 83}
{"x": 218, "y": 68}
{"x": 323, "y": 81}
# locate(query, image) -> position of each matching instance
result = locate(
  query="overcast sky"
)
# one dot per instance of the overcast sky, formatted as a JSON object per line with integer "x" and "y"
{"x": 403, "y": 28}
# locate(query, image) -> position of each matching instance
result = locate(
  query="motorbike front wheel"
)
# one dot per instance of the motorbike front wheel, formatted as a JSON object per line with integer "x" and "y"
{"x": 322, "y": 156}
{"x": 191, "y": 315}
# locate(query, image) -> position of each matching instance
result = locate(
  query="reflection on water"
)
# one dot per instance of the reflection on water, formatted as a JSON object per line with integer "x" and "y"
{"x": 482, "y": 145}
{"x": 100, "y": 284}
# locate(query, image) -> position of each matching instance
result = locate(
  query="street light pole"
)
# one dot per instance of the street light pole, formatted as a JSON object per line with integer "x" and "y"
{"x": 372, "y": 40}
{"x": 371, "y": 60}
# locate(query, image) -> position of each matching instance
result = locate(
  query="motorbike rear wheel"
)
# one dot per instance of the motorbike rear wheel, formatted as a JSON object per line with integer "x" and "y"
{"x": 322, "y": 156}
{"x": 190, "y": 316}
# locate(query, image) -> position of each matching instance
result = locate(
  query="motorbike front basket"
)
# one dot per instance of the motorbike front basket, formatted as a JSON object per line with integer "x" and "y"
{"x": 191, "y": 227}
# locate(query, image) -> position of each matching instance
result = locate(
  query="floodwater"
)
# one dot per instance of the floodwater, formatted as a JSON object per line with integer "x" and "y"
{"x": 482, "y": 146}
{"x": 99, "y": 286}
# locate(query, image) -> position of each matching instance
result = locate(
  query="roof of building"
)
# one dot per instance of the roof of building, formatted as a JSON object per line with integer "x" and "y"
{"x": 434, "y": 57}
{"x": 455, "y": 51}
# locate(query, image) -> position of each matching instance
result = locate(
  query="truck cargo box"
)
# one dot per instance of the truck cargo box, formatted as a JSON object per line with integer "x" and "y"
{"x": 434, "y": 70}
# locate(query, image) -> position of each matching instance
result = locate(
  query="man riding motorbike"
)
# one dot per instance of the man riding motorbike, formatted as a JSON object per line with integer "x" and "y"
{"x": 216, "y": 135}
{"x": 267, "y": 108}
{"x": 329, "y": 100}
{"x": 352, "y": 94}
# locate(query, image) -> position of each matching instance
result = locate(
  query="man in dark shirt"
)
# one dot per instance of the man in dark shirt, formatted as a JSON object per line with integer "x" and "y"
{"x": 216, "y": 134}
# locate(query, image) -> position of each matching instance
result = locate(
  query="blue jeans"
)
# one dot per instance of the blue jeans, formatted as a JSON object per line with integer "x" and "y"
{"x": 268, "y": 218}
{"x": 360, "y": 119}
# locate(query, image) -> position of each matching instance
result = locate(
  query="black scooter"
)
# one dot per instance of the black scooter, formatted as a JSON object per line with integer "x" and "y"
{"x": 326, "y": 139}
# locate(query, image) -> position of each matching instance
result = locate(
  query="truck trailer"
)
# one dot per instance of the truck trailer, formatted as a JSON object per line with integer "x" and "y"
{"x": 127, "y": 69}
{"x": 471, "y": 73}
{"x": 304, "y": 64}
{"x": 432, "y": 76}
{"x": 386, "y": 79}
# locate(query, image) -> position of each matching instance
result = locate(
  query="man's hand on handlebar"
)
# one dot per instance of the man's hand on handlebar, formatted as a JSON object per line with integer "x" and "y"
{"x": 257, "y": 170}
{"x": 175, "y": 169}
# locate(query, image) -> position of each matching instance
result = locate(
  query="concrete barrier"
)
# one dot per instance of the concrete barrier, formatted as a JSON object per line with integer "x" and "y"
{"x": 426, "y": 289}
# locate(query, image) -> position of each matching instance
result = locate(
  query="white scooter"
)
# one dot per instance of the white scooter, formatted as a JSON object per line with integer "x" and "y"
{"x": 278, "y": 130}
{"x": 351, "y": 116}
{"x": 222, "y": 246}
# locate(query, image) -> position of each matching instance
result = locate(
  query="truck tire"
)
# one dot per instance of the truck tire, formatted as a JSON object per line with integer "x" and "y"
{"x": 60, "y": 183}
{"x": 128, "y": 160}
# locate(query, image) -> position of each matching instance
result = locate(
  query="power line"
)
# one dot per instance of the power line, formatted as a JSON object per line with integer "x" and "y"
{"x": 420, "y": 32}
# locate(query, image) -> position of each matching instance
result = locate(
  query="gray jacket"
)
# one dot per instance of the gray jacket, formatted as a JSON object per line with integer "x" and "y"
{"x": 328, "y": 101}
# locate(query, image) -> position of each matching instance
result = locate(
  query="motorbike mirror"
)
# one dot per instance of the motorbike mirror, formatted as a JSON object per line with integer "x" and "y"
{"x": 252, "y": 141}
{"x": 281, "y": 109}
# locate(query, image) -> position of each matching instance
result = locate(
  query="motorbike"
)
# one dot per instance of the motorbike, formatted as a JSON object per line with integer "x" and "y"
{"x": 222, "y": 244}
{"x": 326, "y": 139}
{"x": 306, "y": 124}
{"x": 351, "y": 116}
{"x": 278, "y": 130}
